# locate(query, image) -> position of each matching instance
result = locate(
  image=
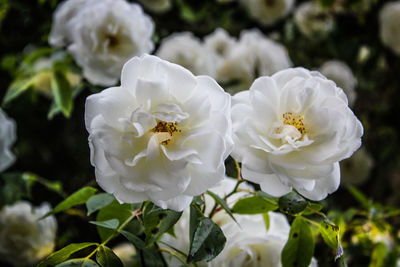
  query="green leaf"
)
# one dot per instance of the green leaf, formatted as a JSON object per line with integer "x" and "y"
{"x": 19, "y": 86}
{"x": 77, "y": 198}
{"x": 253, "y": 205}
{"x": 98, "y": 201}
{"x": 115, "y": 210}
{"x": 62, "y": 92}
{"x": 222, "y": 203}
{"x": 292, "y": 203}
{"x": 152, "y": 257}
{"x": 109, "y": 224}
{"x": 78, "y": 263}
{"x": 330, "y": 234}
{"x": 55, "y": 186}
{"x": 378, "y": 256}
{"x": 158, "y": 221}
{"x": 299, "y": 248}
{"x": 64, "y": 253}
{"x": 208, "y": 241}
{"x": 195, "y": 217}
{"x": 107, "y": 258}
{"x": 136, "y": 241}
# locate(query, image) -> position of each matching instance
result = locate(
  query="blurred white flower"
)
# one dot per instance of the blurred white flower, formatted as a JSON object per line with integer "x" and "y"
{"x": 162, "y": 135}
{"x": 7, "y": 138}
{"x": 253, "y": 56}
{"x": 341, "y": 74}
{"x": 356, "y": 169}
{"x": 187, "y": 50}
{"x": 60, "y": 33}
{"x": 157, "y": 6}
{"x": 291, "y": 130}
{"x": 104, "y": 34}
{"x": 390, "y": 26}
{"x": 312, "y": 20}
{"x": 125, "y": 252}
{"x": 219, "y": 42}
{"x": 268, "y": 12}
{"x": 24, "y": 239}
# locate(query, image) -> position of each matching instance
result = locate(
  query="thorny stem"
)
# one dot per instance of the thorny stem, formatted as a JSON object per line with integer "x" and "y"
{"x": 116, "y": 232}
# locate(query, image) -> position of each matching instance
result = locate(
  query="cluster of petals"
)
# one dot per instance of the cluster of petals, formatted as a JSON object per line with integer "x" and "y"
{"x": 312, "y": 20}
{"x": 232, "y": 61}
{"x": 268, "y": 12}
{"x": 163, "y": 135}
{"x": 7, "y": 138}
{"x": 102, "y": 35}
{"x": 25, "y": 238}
{"x": 291, "y": 130}
{"x": 390, "y": 26}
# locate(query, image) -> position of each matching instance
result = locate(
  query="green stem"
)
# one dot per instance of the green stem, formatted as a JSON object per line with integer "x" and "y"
{"x": 116, "y": 232}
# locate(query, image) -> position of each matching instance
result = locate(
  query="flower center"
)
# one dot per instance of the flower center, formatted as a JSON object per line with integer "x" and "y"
{"x": 295, "y": 120}
{"x": 112, "y": 40}
{"x": 165, "y": 131}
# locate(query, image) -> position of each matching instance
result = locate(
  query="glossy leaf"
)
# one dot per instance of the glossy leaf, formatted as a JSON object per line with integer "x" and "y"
{"x": 19, "y": 86}
{"x": 253, "y": 205}
{"x": 62, "y": 92}
{"x": 292, "y": 203}
{"x": 109, "y": 224}
{"x": 98, "y": 201}
{"x": 208, "y": 241}
{"x": 77, "y": 198}
{"x": 115, "y": 210}
{"x": 107, "y": 258}
{"x": 222, "y": 203}
{"x": 299, "y": 249}
{"x": 64, "y": 253}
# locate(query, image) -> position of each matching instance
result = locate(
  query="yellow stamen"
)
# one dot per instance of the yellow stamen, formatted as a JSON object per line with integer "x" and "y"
{"x": 295, "y": 120}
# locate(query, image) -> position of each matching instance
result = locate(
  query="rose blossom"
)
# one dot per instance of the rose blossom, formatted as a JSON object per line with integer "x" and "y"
{"x": 162, "y": 135}
{"x": 104, "y": 34}
{"x": 341, "y": 74}
{"x": 7, "y": 138}
{"x": 268, "y": 12}
{"x": 187, "y": 50}
{"x": 60, "y": 34}
{"x": 291, "y": 130}
{"x": 254, "y": 55}
{"x": 24, "y": 239}
{"x": 312, "y": 20}
{"x": 390, "y": 26}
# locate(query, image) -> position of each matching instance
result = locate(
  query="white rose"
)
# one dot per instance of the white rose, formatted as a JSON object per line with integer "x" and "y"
{"x": 105, "y": 34}
{"x": 162, "y": 135}
{"x": 268, "y": 12}
{"x": 390, "y": 26}
{"x": 219, "y": 42}
{"x": 7, "y": 138}
{"x": 158, "y": 6}
{"x": 312, "y": 20}
{"x": 291, "y": 130}
{"x": 254, "y": 55}
{"x": 24, "y": 239}
{"x": 356, "y": 169}
{"x": 341, "y": 74}
{"x": 186, "y": 50}
{"x": 60, "y": 33}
